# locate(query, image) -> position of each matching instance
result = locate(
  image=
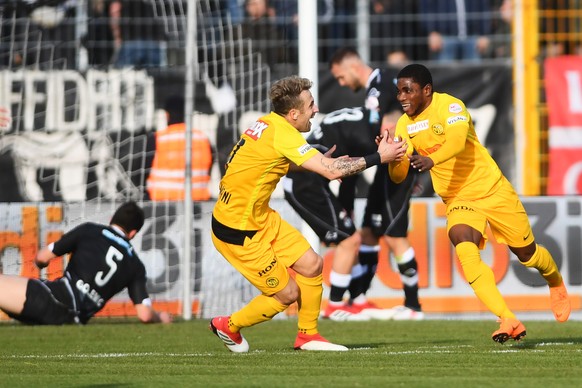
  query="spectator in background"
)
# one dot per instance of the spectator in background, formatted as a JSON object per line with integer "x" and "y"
{"x": 501, "y": 38}
{"x": 138, "y": 32}
{"x": 41, "y": 33}
{"x": 336, "y": 22}
{"x": 457, "y": 29}
{"x": 167, "y": 176}
{"x": 259, "y": 26}
{"x": 235, "y": 11}
{"x": 287, "y": 18}
{"x": 395, "y": 32}
{"x": 99, "y": 37}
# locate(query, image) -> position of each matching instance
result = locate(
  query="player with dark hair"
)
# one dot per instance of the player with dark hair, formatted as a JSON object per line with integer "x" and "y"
{"x": 475, "y": 192}
{"x": 102, "y": 263}
{"x": 387, "y": 206}
{"x": 330, "y": 218}
{"x": 254, "y": 239}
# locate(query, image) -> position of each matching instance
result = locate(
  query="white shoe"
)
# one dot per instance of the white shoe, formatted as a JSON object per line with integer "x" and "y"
{"x": 234, "y": 342}
{"x": 372, "y": 311}
{"x": 343, "y": 313}
{"x": 403, "y": 313}
{"x": 316, "y": 342}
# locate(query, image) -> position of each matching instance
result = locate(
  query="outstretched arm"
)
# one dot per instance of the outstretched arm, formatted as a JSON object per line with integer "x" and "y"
{"x": 147, "y": 314}
{"x": 44, "y": 256}
{"x": 335, "y": 168}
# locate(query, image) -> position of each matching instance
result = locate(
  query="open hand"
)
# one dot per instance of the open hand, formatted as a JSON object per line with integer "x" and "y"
{"x": 421, "y": 163}
{"x": 389, "y": 150}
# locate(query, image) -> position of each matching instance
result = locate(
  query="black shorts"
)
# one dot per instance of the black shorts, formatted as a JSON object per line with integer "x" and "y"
{"x": 309, "y": 194}
{"x": 47, "y": 303}
{"x": 388, "y": 204}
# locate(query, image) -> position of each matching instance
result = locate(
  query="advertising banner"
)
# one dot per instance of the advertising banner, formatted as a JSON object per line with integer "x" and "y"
{"x": 563, "y": 82}
{"x": 218, "y": 289}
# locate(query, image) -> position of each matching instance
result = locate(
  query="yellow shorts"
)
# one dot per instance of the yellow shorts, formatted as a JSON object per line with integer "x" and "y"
{"x": 263, "y": 259}
{"x": 503, "y": 211}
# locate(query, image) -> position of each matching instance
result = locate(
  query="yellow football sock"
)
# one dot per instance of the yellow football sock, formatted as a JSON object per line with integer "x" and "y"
{"x": 542, "y": 261}
{"x": 262, "y": 308}
{"x": 309, "y": 303}
{"x": 481, "y": 279}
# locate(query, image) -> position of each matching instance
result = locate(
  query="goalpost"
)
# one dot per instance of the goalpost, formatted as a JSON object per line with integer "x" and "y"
{"x": 81, "y": 142}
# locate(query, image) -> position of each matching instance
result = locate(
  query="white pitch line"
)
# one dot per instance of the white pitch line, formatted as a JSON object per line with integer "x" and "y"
{"x": 421, "y": 350}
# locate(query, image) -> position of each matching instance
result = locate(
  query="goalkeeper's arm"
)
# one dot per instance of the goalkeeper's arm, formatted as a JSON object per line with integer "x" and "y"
{"x": 147, "y": 314}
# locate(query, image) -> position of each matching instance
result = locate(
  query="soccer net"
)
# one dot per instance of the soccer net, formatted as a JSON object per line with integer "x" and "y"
{"x": 81, "y": 138}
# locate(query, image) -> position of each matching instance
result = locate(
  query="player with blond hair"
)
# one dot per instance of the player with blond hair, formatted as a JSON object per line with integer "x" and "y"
{"x": 254, "y": 238}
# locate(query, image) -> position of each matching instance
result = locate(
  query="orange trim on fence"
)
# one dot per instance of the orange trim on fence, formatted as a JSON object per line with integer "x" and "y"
{"x": 470, "y": 304}
{"x": 126, "y": 309}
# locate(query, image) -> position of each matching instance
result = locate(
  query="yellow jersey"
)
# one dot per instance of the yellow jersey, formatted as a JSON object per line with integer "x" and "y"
{"x": 254, "y": 167}
{"x": 444, "y": 131}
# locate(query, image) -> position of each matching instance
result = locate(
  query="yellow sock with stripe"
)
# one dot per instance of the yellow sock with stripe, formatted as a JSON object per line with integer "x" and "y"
{"x": 262, "y": 308}
{"x": 542, "y": 261}
{"x": 309, "y": 303}
{"x": 481, "y": 279}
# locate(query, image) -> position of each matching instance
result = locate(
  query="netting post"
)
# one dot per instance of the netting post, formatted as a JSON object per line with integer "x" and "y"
{"x": 191, "y": 60}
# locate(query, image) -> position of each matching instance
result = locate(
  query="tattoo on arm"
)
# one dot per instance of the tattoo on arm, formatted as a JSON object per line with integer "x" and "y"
{"x": 346, "y": 166}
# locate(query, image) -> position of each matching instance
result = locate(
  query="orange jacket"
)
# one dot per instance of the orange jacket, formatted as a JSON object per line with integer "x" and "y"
{"x": 166, "y": 179}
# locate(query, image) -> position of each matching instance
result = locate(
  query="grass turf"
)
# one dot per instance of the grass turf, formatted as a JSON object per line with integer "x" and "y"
{"x": 431, "y": 353}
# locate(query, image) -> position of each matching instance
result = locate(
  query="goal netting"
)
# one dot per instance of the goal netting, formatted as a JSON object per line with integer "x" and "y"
{"x": 81, "y": 137}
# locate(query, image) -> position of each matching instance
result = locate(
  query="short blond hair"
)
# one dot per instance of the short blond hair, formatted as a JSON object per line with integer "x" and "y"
{"x": 285, "y": 93}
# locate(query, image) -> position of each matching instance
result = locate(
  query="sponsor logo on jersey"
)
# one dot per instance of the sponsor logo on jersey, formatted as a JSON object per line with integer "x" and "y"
{"x": 330, "y": 236}
{"x": 437, "y": 129}
{"x": 268, "y": 268}
{"x": 417, "y": 127}
{"x": 89, "y": 292}
{"x": 304, "y": 148}
{"x": 455, "y": 108}
{"x": 256, "y": 130}
{"x": 460, "y": 208}
{"x": 118, "y": 239}
{"x": 455, "y": 119}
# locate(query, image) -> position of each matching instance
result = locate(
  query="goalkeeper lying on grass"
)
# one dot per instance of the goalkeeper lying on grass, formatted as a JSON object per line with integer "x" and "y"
{"x": 102, "y": 263}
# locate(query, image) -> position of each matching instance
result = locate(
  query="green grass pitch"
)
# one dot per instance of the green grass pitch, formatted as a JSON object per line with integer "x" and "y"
{"x": 431, "y": 353}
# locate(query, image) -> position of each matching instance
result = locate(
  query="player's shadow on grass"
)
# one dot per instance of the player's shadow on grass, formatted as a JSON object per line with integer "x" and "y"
{"x": 546, "y": 342}
{"x": 106, "y": 385}
{"x": 410, "y": 342}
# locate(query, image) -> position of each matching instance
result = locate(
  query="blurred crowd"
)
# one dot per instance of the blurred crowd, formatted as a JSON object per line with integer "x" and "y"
{"x": 145, "y": 33}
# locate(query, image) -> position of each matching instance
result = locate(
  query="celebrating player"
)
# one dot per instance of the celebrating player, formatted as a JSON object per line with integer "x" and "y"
{"x": 102, "y": 263}
{"x": 475, "y": 192}
{"x": 253, "y": 237}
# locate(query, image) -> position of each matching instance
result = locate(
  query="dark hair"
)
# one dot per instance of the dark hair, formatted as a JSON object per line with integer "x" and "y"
{"x": 174, "y": 105}
{"x": 419, "y": 74}
{"x": 285, "y": 93}
{"x": 341, "y": 54}
{"x": 129, "y": 216}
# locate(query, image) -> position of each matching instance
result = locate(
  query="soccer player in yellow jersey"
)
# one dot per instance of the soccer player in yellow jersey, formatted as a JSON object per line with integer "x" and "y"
{"x": 253, "y": 237}
{"x": 475, "y": 192}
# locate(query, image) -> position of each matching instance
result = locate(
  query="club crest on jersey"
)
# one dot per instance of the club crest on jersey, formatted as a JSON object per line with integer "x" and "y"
{"x": 417, "y": 127}
{"x": 437, "y": 129}
{"x": 272, "y": 282}
{"x": 455, "y": 108}
{"x": 256, "y": 130}
{"x": 304, "y": 148}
